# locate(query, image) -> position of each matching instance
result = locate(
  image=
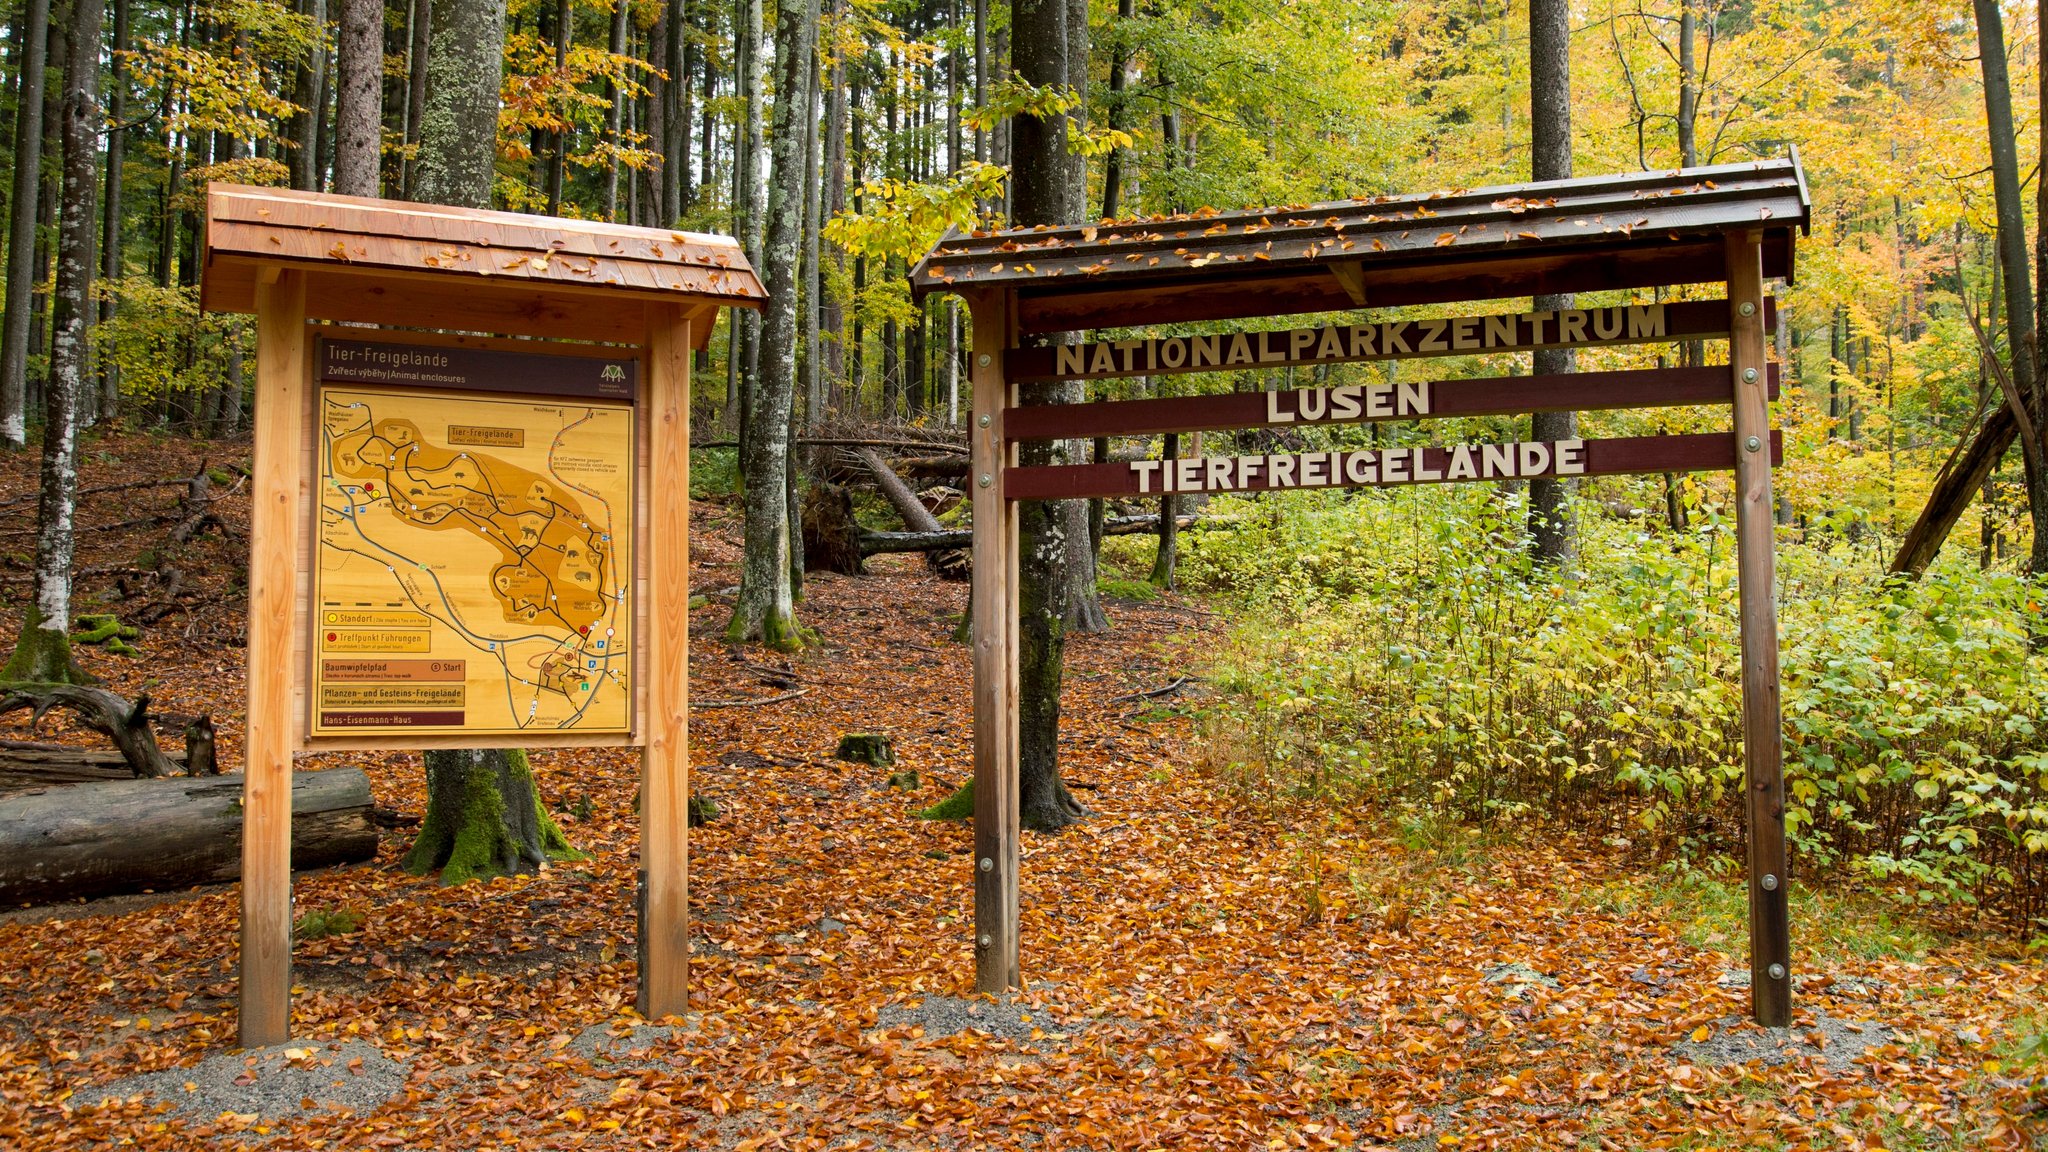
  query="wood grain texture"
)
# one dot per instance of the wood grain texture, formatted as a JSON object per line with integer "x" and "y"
{"x": 1494, "y": 396}
{"x": 997, "y": 831}
{"x": 1763, "y": 739}
{"x": 406, "y": 298}
{"x": 664, "y": 669}
{"x": 248, "y": 226}
{"x": 1634, "y": 211}
{"x": 283, "y": 372}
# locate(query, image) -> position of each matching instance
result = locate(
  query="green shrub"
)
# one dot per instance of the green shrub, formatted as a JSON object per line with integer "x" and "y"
{"x": 714, "y": 472}
{"x": 1118, "y": 589}
{"x": 1398, "y": 648}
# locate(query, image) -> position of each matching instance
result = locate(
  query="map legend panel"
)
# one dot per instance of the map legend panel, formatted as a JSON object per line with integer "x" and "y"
{"x": 473, "y": 564}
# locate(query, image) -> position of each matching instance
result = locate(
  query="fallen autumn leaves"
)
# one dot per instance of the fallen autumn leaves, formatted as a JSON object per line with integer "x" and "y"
{"x": 1179, "y": 995}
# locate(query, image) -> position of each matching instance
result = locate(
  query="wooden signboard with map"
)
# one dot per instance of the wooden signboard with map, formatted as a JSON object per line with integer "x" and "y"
{"x": 474, "y": 549}
{"x": 469, "y": 512}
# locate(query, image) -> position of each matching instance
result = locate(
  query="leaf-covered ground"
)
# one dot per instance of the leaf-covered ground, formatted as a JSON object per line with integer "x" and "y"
{"x": 1198, "y": 976}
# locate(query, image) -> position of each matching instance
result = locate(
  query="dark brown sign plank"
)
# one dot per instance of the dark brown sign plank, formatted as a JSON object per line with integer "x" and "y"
{"x": 1351, "y": 343}
{"x": 1367, "y": 468}
{"x": 477, "y": 369}
{"x": 1345, "y": 404}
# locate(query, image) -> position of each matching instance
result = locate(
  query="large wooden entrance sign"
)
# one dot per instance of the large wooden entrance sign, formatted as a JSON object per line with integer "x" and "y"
{"x": 1729, "y": 226}
{"x": 471, "y": 511}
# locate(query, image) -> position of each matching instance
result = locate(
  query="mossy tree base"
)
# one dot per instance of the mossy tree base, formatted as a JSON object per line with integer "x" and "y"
{"x": 776, "y": 630}
{"x": 42, "y": 655}
{"x": 484, "y": 818}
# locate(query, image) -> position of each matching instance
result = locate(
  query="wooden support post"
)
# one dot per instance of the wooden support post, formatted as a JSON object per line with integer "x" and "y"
{"x": 996, "y": 807}
{"x": 664, "y": 669}
{"x": 1763, "y": 740}
{"x": 276, "y": 505}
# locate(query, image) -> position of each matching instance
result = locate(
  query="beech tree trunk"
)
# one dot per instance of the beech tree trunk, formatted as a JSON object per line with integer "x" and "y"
{"x": 765, "y": 609}
{"x": 96, "y": 839}
{"x": 459, "y": 125}
{"x": 42, "y": 653}
{"x": 1053, "y": 534}
{"x": 1550, "y": 119}
{"x": 22, "y": 210}
{"x": 484, "y": 816}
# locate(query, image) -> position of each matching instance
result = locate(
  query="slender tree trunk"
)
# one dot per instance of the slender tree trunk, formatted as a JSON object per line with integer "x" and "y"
{"x": 359, "y": 60}
{"x": 420, "y": 54}
{"x": 614, "y": 117}
{"x": 832, "y": 313}
{"x": 1688, "y": 88}
{"x": 678, "y": 52}
{"x": 111, "y": 265}
{"x": 306, "y": 122}
{"x": 43, "y": 650}
{"x": 323, "y": 124}
{"x": 757, "y": 192}
{"x": 1550, "y": 117}
{"x": 1168, "y": 555}
{"x": 765, "y": 607}
{"x": 1119, "y": 115}
{"x": 22, "y": 212}
{"x": 2022, "y": 343}
{"x": 1053, "y": 534}
{"x": 812, "y": 277}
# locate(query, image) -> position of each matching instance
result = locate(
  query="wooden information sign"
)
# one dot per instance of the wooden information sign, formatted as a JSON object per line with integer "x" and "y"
{"x": 1729, "y": 226}
{"x": 469, "y": 527}
{"x": 475, "y": 551}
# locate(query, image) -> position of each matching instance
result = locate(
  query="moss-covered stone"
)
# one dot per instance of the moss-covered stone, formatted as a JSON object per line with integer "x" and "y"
{"x": 958, "y": 806}
{"x": 874, "y": 749}
{"x": 102, "y": 627}
{"x": 703, "y": 810}
{"x": 907, "y": 781}
{"x": 106, "y": 630}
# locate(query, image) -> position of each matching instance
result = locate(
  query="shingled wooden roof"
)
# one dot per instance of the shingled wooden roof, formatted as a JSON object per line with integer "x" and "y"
{"x": 1632, "y": 230}
{"x": 431, "y": 266}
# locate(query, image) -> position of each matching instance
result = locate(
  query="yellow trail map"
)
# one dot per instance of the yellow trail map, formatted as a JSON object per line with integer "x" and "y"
{"x": 474, "y": 564}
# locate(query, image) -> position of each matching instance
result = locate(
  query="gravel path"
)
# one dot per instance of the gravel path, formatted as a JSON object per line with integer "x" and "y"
{"x": 268, "y": 1083}
{"x": 1734, "y": 1040}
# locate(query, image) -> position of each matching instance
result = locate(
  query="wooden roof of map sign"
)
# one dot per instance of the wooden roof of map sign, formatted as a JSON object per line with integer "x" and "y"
{"x": 1634, "y": 230}
{"x": 432, "y": 266}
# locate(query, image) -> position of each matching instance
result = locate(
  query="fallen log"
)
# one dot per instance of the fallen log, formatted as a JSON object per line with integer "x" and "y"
{"x": 945, "y": 560}
{"x": 98, "y": 839}
{"x": 1958, "y": 483}
{"x": 33, "y": 764}
{"x": 126, "y": 724}
{"x": 874, "y": 543}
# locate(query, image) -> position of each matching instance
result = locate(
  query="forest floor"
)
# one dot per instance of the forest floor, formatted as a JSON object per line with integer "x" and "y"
{"x": 1198, "y": 976}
